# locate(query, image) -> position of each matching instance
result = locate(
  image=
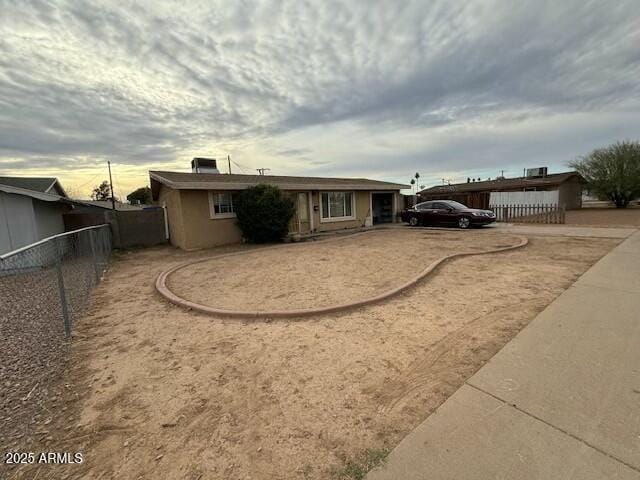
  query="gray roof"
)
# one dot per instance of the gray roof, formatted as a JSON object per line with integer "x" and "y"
{"x": 37, "y": 184}
{"x": 45, "y": 197}
{"x": 506, "y": 183}
{"x": 218, "y": 181}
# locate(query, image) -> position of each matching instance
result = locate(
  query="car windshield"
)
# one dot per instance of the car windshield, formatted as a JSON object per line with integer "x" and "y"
{"x": 456, "y": 205}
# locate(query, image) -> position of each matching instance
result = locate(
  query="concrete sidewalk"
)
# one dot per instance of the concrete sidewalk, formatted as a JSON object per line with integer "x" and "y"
{"x": 560, "y": 401}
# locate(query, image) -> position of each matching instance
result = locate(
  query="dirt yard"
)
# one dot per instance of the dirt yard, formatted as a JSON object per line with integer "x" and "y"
{"x": 166, "y": 393}
{"x": 605, "y": 217}
{"x": 321, "y": 274}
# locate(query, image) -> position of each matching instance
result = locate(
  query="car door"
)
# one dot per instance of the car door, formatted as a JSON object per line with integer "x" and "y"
{"x": 443, "y": 214}
{"x": 425, "y": 213}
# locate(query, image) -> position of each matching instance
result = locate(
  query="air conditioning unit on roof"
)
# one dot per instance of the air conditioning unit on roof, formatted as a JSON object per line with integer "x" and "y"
{"x": 537, "y": 172}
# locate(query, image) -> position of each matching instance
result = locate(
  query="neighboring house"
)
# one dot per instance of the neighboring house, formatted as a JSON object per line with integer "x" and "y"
{"x": 200, "y": 213}
{"x": 30, "y": 209}
{"x": 563, "y": 189}
{"x": 37, "y": 184}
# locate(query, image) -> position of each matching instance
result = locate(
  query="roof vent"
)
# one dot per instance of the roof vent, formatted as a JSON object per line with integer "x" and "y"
{"x": 537, "y": 172}
{"x": 204, "y": 165}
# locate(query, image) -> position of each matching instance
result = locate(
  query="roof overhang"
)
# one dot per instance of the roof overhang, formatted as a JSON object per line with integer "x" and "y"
{"x": 321, "y": 185}
{"x": 44, "y": 197}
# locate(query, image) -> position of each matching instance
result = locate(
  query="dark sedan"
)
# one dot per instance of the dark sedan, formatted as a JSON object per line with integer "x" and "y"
{"x": 446, "y": 212}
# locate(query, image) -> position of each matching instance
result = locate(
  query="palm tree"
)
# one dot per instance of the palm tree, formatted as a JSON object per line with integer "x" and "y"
{"x": 412, "y": 182}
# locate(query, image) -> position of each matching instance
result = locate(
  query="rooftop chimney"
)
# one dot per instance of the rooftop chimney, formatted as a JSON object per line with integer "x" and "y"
{"x": 204, "y": 165}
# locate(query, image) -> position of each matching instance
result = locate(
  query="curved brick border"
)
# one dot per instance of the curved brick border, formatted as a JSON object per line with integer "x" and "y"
{"x": 161, "y": 285}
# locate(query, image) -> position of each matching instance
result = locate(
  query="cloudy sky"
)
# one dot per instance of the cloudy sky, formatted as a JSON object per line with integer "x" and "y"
{"x": 378, "y": 89}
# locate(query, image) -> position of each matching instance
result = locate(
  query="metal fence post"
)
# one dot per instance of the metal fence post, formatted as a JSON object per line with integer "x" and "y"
{"x": 92, "y": 242}
{"x": 63, "y": 296}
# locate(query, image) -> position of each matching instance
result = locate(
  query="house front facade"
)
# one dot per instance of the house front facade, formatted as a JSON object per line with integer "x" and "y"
{"x": 199, "y": 207}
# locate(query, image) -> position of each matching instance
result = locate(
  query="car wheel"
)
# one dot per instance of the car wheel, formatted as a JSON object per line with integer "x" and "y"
{"x": 464, "y": 222}
{"x": 413, "y": 221}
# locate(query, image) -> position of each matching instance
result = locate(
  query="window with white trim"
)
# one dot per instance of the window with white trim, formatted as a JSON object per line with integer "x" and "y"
{"x": 221, "y": 205}
{"x": 337, "y": 206}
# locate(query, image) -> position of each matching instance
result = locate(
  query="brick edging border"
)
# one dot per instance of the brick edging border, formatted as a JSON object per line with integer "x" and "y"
{"x": 161, "y": 285}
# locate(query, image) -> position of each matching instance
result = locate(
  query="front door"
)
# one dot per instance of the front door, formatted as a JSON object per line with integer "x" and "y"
{"x": 302, "y": 212}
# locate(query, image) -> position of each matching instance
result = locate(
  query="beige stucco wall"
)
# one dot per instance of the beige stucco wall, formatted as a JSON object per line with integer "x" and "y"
{"x": 170, "y": 199}
{"x": 362, "y": 211}
{"x": 191, "y": 227}
{"x": 200, "y": 230}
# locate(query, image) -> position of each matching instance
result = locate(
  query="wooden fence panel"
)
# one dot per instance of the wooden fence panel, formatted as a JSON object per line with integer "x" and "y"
{"x": 529, "y": 213}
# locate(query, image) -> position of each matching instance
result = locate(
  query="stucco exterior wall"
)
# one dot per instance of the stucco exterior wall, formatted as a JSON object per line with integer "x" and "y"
{"x": 170, "y": 199}
{"x": 191, "y": 226}
{"x": 200, "y": 230}
{"x": 362, "y": 211}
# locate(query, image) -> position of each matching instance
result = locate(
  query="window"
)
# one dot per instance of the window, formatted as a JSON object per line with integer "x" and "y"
{"x": 221, "y": 205}
{"x": 337, "y": 206}
{"x": 440, "y": 206}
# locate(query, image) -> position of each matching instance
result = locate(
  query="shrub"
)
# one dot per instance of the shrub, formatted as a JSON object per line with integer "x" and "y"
{"x": 263, "y": 213}
{"x": 612, "y": 172}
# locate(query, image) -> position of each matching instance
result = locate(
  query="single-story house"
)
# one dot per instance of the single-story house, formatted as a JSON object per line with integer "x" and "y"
{"x": 562, "y": 189}
{"x": 200, "y": 213}
{"x": 30, "y": 209}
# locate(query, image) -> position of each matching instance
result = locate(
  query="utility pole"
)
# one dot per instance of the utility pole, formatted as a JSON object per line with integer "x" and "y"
{"x": 113, "y": 200}
{"x": 262, "y": 170}
{"x": 229, "y": 162}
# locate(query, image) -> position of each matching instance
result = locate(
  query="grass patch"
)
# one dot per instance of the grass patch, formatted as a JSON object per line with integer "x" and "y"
{"x": 358, "y": 467}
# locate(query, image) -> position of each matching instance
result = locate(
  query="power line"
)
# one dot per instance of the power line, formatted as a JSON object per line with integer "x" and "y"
{"x": 239, "y": 166}
{"x": 89, "y": 181}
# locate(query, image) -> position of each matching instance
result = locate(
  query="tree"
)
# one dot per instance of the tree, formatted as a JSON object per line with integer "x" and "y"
{"x": 102, "y": 192}
{"x": 263, "y": 213}
{"x": 140, "y": 195}
{"x": 412, "y": 182}
{"x": 612, "y": 172}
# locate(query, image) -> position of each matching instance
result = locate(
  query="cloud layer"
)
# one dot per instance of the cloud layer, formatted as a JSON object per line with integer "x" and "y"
{"x": 361, "y": 88}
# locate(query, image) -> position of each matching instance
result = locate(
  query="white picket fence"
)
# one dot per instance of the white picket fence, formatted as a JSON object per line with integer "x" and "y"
{"x": 539, "y": 213}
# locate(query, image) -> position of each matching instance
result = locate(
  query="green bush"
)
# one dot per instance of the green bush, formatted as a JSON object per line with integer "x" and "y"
{"x": 263, "y": 213}
{"x": 612, "y": 172}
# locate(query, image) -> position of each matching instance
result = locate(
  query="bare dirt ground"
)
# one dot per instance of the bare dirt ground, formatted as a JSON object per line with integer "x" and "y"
{"x": 167, "y": 393}
{"x": 605, "y": 217}
{"x": 321, "y": 274}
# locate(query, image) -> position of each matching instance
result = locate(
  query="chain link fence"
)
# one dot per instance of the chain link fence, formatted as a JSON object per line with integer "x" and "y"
{"x": 44, "y": 288}
{"x": 49, "y": 282}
